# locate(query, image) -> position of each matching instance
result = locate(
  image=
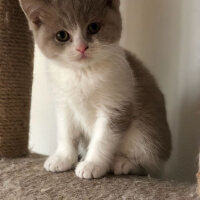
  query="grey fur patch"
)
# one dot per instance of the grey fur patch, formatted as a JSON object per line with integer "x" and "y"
{"x": 151, "y": 117}
{"x": 121, "y": 118}
{"x": 81, "y": 13}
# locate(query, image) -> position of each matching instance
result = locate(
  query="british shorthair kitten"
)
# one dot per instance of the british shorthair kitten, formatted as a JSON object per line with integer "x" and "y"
{"x": 109, "y": 107}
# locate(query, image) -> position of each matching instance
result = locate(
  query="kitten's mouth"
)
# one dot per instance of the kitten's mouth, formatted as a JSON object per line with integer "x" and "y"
{"x": 83, "y": 57}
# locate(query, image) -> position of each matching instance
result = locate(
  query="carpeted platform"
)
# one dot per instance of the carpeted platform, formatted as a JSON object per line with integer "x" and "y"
{"x": 25, "y": 179}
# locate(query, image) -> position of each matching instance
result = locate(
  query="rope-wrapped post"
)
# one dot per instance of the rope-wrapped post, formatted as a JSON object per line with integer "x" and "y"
{"x": 16, "y": 68}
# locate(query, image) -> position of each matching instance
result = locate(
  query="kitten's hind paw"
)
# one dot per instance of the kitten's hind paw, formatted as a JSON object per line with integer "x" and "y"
{"x": 58, "y": 163}
{"x": 121, "y": 166}
{"x": 89, "y": 170}
{"x": 124, "y": 166}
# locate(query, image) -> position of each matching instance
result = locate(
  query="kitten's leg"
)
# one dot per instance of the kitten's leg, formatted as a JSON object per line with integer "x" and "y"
{"x": 101, "y": 150}
{"x": 66, "y": 154}
{"x": 138, "y": 154}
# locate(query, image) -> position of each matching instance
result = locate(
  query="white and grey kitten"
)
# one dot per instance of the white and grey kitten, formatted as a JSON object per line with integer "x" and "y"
{"x": 107, "y": 102}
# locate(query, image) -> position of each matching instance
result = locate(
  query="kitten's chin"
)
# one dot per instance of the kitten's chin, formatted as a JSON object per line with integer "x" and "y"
{"x": 83, "y": 58}
{"x": 85, "y": 62}
{"x": 74, "y": 63}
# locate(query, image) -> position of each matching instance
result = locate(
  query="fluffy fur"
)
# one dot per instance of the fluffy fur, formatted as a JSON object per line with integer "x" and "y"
{"x": 108, "y": 104}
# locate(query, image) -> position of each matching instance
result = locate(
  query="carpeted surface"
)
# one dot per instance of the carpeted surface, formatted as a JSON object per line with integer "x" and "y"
{"x": 25, "y": 179}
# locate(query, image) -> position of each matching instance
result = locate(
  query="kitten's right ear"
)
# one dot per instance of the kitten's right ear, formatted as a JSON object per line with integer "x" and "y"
{"x": 113, "y": 3}
{"x": 33, "y": 10}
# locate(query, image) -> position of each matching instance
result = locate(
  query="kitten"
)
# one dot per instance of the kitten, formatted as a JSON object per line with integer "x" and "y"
{"x": 107, "y": 102}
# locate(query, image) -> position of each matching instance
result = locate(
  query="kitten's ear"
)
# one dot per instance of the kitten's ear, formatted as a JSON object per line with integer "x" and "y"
{"x": 113, "y": 3}
{"x": 33, "y": 10}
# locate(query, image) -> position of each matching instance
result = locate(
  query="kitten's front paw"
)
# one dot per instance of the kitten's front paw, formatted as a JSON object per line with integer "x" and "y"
{"x": 58, "y": 163}
{"x": 89, "y": 170}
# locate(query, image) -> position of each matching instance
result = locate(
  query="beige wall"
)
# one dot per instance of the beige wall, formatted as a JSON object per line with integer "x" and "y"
{"x": 165, "y": 34}
{"x": 43, "y": 122}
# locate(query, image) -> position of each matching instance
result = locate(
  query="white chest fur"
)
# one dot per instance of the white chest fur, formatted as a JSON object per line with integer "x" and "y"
{"x": 89, "y": 89}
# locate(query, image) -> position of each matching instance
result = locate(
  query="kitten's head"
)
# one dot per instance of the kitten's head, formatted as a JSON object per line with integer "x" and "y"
{"x": 74, "y": 30}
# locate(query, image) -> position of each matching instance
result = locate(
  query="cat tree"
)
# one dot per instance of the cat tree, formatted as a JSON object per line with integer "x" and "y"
{"x": 16, "y": 66}
{"x": 25, "y": 178}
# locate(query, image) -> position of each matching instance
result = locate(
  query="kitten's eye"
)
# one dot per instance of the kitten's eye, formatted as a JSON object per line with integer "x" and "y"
{"x": 62, "y": 36}
{"x": 94, "y": 28}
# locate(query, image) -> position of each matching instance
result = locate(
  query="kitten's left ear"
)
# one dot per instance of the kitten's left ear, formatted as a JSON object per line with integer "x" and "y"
{"x": 113, "y": 3}
{"x": 33, "y": 10}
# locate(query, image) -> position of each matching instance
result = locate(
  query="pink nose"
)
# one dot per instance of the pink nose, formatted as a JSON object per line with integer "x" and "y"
{"x": 82, "y": 48}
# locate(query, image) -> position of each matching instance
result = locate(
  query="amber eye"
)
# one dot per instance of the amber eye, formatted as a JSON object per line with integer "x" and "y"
{"x": 94, "y": 28}
{"x": 62, "y": 36}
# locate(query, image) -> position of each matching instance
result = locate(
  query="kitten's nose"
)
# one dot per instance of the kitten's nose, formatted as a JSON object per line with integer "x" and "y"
{"x": 82, "y": 48}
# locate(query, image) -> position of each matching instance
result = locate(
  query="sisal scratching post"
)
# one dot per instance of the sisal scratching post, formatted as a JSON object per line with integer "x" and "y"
{"x": 16, "y": 66}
